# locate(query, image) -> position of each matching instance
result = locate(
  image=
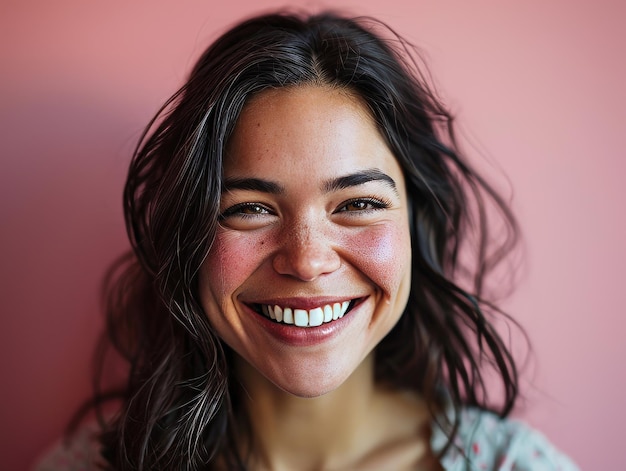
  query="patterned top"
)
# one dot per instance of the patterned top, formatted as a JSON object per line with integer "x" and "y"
{"x": 484, "y": 442}
{"x": 487, "y": 442}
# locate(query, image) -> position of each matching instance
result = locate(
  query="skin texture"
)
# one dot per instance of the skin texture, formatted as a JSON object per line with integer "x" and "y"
{"x": 295, "y": 237}
{"x": 308, "y": 244}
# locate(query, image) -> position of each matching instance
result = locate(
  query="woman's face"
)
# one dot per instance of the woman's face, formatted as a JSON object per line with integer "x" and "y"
{"x": 310, "y": 267}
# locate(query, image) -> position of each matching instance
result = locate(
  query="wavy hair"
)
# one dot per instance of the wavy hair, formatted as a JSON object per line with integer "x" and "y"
{"x": 180, "y": 407}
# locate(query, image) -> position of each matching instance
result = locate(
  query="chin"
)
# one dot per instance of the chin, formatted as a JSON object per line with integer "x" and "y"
{"x": 317, "y": 377}
{"x": 309, "y": 389}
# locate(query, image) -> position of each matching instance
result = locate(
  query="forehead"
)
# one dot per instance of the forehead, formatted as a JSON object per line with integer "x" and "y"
{"x": 312, "y": 129}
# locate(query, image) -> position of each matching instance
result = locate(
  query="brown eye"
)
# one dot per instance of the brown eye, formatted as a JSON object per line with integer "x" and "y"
{"x": 246, "y": 210}
{"x": 357, "y": 206}
{"x": 252, "y": 209}
{"x": 362, "y": 204}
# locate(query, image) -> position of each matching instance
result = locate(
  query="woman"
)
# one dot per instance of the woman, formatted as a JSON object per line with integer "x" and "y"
{"x": 300, "y": 295}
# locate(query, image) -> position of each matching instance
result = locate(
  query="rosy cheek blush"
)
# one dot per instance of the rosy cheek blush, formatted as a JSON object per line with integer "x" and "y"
{"x": 232, "y": 259}
{"x": 382, "y": 253}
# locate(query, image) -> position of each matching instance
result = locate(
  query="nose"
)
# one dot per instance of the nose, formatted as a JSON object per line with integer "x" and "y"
{"x": 306, "y": 252}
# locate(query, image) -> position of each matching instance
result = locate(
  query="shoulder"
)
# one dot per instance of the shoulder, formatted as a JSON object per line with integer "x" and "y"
{"x": 489, "y": 442}
{"x": 78, "y": 451}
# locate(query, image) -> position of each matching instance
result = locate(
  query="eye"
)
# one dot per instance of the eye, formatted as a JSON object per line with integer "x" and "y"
{"x": 363, "y": 204}
{"x": 246, "y": 210}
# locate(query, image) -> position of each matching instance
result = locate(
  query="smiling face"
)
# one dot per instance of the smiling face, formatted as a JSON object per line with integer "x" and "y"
{"x": 310, "y": 267}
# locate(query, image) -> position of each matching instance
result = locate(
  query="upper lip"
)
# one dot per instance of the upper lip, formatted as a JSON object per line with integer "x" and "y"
{"x": 304, "y": 302}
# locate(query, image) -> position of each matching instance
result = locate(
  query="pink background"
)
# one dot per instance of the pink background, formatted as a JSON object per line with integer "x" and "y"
{"x": 538, "y": 87}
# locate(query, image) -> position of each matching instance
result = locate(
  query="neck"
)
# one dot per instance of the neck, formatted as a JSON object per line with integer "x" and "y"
{"x": 335, "y": 430}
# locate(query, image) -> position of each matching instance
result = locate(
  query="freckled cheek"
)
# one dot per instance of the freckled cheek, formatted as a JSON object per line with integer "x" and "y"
{"x": 231, "y": 260}
{"x": 383, "y": 254}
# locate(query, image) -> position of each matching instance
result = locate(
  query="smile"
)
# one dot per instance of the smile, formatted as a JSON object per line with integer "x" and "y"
{"x": 306, "y": 317}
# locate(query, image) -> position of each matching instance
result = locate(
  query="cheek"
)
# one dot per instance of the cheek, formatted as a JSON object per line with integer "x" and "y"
{"x": 230, "y": 262}
{"x": 383, "y": 254}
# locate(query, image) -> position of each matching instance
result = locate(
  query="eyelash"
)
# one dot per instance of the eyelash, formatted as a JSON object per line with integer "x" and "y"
{"x": 238, "y": 208}
{"x": 374, "y": 204}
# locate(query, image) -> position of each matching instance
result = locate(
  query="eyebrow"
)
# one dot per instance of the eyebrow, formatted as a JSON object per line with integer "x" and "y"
{"x": 335, "y": 184}
{"x": 359, "y": 178}
{"x": 252, "y": 184}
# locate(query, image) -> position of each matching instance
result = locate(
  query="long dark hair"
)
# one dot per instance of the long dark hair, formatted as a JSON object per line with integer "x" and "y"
{"x": 180, "y": 407}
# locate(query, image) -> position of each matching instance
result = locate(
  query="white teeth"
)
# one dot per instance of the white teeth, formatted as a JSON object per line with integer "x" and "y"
{"x": 316, "y": 317}
{"x": 278, "y": 313}
{"x": 344, "y": 307}
{"x": 303, "y": 318}
{"x": 287, "y": 316}
{"x": 328, "y": 313}
{"x": 336, "y": 311}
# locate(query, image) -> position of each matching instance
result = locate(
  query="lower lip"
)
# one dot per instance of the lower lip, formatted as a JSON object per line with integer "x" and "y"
{"x": 304, "y": 336}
